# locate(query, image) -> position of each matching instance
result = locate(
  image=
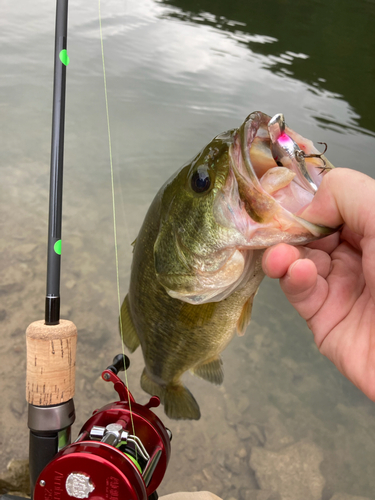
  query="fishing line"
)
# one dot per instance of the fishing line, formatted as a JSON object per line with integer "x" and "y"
{"x": 114, "y": 210}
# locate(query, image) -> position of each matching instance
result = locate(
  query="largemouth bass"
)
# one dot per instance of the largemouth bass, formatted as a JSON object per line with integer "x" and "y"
{"x": 197, "y": 258}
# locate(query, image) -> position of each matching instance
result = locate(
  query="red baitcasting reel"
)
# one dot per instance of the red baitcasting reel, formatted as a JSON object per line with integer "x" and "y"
{"x": 121, "y": 452}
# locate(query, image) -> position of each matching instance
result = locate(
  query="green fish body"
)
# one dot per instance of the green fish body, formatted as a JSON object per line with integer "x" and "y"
{"x": 197, "y": 258}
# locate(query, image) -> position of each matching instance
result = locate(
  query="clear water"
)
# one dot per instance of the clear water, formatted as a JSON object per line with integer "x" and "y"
{"x": 178, "y": 73}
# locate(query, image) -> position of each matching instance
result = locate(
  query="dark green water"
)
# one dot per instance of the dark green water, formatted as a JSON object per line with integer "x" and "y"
{"x": 337, "y": 38}
{"x": 179, "y": 73}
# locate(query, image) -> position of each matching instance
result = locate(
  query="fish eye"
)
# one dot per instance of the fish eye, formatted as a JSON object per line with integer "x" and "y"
{"x": 200, "y": 181}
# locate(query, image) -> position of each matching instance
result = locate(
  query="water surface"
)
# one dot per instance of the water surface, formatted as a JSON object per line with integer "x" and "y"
{"x": 179, "y": 73}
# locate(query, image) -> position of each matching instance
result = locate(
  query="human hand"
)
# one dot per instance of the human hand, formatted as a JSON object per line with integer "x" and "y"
{"x": 331, "y": 282}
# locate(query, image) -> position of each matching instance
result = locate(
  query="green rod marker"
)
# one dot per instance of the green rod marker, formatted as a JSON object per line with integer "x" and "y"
{"x": 57, "y": 247}
{"x": 64, "y": 58}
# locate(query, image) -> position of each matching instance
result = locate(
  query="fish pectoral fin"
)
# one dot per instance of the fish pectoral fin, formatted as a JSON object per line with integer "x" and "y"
{"x": 127, "y": 331}
{"x": 245, "y": 316}
{"x": 211, "y": 370}
{"x": 179, "y": 403}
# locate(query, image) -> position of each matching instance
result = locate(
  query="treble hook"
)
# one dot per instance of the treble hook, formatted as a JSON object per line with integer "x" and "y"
{"x": 302, "y": 154}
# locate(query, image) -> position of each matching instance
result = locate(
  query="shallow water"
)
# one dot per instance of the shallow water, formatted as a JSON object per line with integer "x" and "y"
{"x": 179, "y": 73}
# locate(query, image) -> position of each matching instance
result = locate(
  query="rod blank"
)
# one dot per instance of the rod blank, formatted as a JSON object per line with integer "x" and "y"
{"x": 52, "y": 309}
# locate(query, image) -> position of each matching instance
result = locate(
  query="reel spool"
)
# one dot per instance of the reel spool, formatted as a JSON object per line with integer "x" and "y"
{"x": 109, "y": 460}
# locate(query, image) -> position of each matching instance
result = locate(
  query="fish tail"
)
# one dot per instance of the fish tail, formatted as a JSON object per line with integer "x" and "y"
{"x": 178, "y": 401}
{"x": 127, "y": 331}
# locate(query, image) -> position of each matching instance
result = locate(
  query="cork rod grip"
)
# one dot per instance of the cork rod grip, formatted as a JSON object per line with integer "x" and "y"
{"x": 51, "y": 361}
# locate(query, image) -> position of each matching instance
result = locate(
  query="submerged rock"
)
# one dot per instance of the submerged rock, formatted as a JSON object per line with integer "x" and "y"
{"x": 261, "y": 495}
{"x": 276, "y": 434}
{"x": 201, "y": 495}
{"x": 344, "y": 496}
{"x": 292, "y": 471}
{"x": 16, "y": 479}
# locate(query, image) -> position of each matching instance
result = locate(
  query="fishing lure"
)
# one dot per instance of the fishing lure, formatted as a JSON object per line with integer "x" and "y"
{"x": 287, "y": 153}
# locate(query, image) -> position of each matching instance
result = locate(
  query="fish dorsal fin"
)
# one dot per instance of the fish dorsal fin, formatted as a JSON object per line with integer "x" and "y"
{"x": 245, "y": 316}
{"x": 127, "y": 330}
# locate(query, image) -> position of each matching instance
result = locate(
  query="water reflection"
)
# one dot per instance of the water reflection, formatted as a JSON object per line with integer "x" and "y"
{"x": 335, "y": 39}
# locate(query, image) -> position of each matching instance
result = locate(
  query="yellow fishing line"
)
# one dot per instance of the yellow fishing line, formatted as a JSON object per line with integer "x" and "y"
{"x": 113, "y": 206}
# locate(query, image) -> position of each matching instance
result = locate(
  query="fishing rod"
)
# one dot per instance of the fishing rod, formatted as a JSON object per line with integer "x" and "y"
{"x": 124, "y": 448}
{"x": 51, "y": 344}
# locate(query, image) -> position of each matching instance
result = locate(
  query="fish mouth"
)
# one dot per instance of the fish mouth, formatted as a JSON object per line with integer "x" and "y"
{"x": 272, "y": 195}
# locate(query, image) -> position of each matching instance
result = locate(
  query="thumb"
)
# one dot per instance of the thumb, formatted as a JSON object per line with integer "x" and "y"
{"x": 344, "y": 196}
